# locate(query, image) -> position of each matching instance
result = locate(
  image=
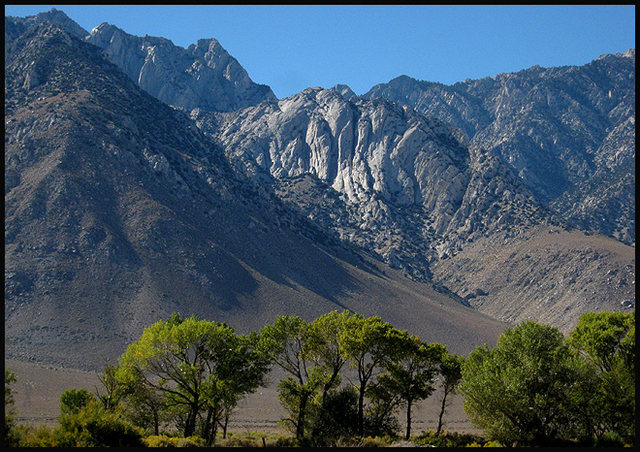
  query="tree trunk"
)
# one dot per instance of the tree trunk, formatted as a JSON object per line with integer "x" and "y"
{"x": 361, "y": 409}
{"x": 442, "y": 408}
{"x": 301, "y": 414}
{"x": 190, "y": 424}
{"x": 408, "y": 420}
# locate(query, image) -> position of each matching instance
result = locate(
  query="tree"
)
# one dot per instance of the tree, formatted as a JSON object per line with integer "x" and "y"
{"x": 72, "y": 400}
{"x": 192, "y": 365}
{"x": 451, "y": 374}
{"x": 520, "y": 390}
{"x": 368, "y": 343}
{"x": 605, "y": 401}
{"x": 9, "y": 434}
{"x": 287, "y": 338}
{"x": 412, "y": 373}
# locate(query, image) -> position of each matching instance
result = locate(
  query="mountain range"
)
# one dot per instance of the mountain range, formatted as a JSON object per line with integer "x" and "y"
{"x": 142, "y": 178}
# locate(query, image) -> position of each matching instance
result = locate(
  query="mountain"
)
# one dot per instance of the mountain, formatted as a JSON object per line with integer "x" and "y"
{"x": 15, "y": 26}
{"x": 120, "y": 211}
{"x": 568, "y": 132}
{"x": 203, "y": 75}
{"x": 413, "y": 192}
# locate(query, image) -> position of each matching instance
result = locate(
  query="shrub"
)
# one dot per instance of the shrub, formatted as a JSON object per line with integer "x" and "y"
{"x": 93, "y": 425}
{"x": 169, "y": 441}
{"x": 447, "y": 439}
{"x": 609, "y": 439}
{"x": 376, "y": 441}
{"x": 286, "y": 441}
{"x": 28, "y": 436}
{"x": 73, "y": 400}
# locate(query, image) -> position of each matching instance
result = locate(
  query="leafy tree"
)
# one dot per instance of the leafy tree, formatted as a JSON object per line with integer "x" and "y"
{"x": 368, "y": 343}
{"x": 113, "y": 388}
{"x": 380, "y": 419}
{"x": 312, "y": 355}
{"x": 287, "y": 338}
{"x": 190, "y": 366}
{"x": 451, "y": 374}
{"x": 520, "y": 390}
{"x": 605, "y": 400}
{"x": 72, "y": 400}
{"x": 412, "y": 373}
{"x": 9, "y": 433}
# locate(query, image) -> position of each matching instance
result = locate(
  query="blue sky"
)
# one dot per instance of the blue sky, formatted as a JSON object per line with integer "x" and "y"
{"x": 293, "y": 47}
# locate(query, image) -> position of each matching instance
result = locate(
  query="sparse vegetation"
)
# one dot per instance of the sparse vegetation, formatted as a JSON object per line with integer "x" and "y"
{"x": 180, "y": 381}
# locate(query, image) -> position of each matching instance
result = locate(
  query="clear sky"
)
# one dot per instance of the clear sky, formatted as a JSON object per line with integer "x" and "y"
{"x": 293, "y": 47}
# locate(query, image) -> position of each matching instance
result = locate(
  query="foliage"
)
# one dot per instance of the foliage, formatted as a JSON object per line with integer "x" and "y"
{"x": 604, "y": 402}
{"x": 335, "y": 419}
{"x": 169, "y": 441}
{"x": 447, "y": 439}
{"x": 519, "y": 391}
{"x": 73, "y": 400}
{"x": 28, "y": 436}
{"x": 93, "y": 426}
{"x": 451, "y": 372}
{"x": 9, "y": 432}
{"x": 192, "y": 371}
{"x": 368, "y": 344}
{"x": 311, "y": 354}
{"x": 411, "y": 374}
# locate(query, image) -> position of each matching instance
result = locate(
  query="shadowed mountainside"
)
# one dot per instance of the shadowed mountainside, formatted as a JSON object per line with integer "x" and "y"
{"x": 119, "y": 211}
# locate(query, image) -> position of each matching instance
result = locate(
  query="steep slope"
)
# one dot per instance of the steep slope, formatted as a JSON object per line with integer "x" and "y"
{"x": 119, "y": 211}
{"x": 568, "y": 132}
{"x": 407, "y": 188}
{"x": 15, "y": 26}
{"x": 203, "y": 75}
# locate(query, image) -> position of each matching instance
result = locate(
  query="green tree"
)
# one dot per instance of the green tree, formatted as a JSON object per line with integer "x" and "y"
{"x": 605, "y": 400}
{"x": 188, "y": 366}
{"x": 368, "y": 344}
{"x": 287, "y": 338}
{"x": 451, "y": 374}
{"x": 72, "y": 400}
{"x": 412, "y": 373}
{"x": 9, "y": 433}
{"x": 519, "y": 391}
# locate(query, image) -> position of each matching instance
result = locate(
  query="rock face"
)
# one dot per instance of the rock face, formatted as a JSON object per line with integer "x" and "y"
{"x": 14, "y": 26}
{"x": 568, "y": 132}
{"x": 120, "y": 211}
{"x": 238, "y": 206}
{"x": 395, "y": 182}
{"x": 202, "y": 76}
{"x": 415, "y": 193}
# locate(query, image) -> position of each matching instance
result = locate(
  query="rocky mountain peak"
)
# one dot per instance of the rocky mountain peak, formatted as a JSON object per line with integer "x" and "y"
{"x": 345, "y": 91}
{"x": 202, "y": 76}
{"x": 17, "y": 25}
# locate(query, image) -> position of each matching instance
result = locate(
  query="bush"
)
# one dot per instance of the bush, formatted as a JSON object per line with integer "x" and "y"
{"x": 28, "y": 436}
{"x": 448, "y": 439}
{"x": 93, "y": 425}
{"x": 170, "y": 441}
{"x": 609, "y": 439}
{"x": 73, "y": 400}
{"x": 376, "y": 441}
{"x": 286, "y": 441}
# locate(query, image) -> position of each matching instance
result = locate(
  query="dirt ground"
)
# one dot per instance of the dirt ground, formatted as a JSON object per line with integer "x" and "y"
{"x": 39, "y": 386}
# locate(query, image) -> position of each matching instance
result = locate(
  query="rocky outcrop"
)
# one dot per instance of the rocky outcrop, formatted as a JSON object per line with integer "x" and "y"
{"x": 14, "y": 26}
{"x": 119, "y": 211}
{"x": 381, "y": 175}
{"x": 419, "y": 195}
{"x": 203, "y": 75}
{"x": 568, "y": 132}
